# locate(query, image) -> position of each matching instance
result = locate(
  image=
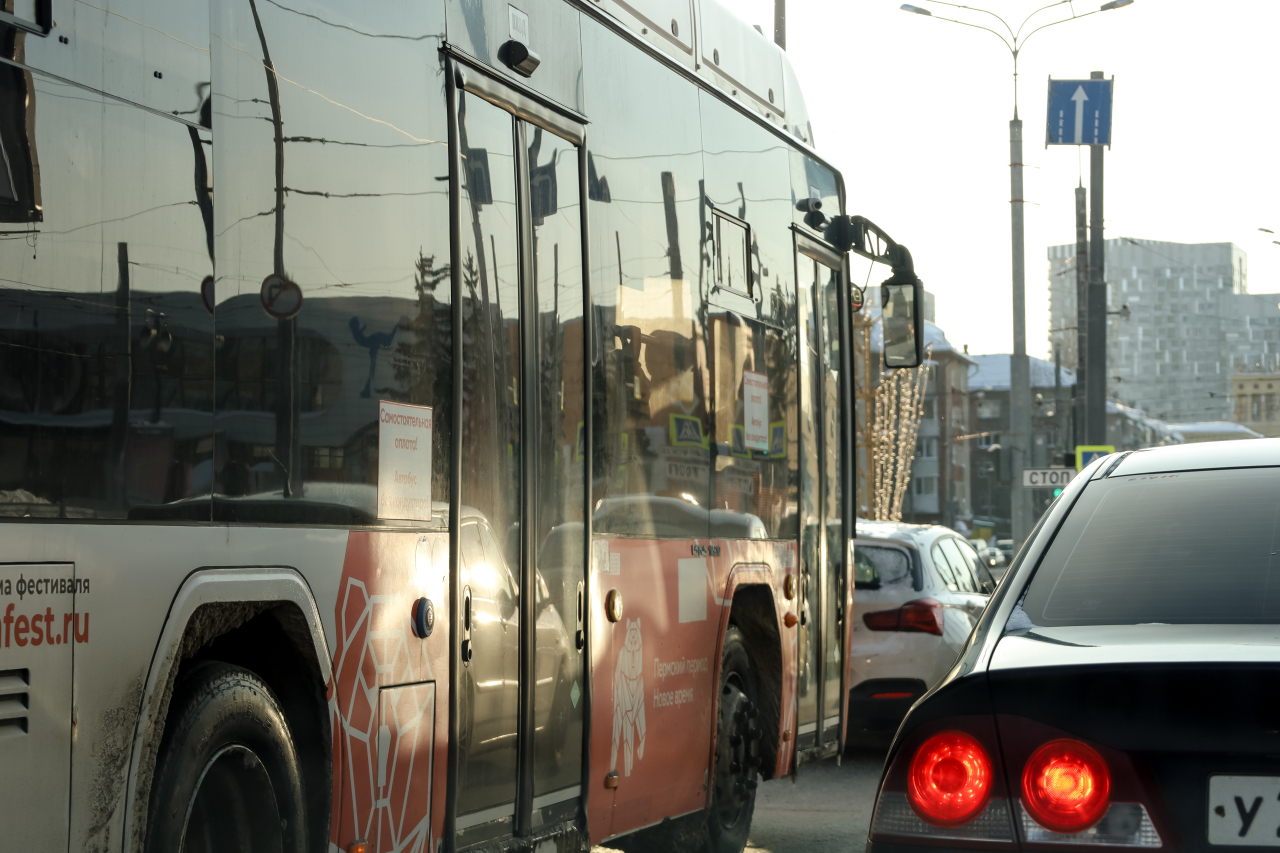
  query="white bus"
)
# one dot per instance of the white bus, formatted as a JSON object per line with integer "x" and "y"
{"x": 328, "y": 521}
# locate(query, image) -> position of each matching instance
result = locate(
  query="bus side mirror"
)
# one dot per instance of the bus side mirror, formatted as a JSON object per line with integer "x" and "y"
{"x": 902, "y": 313}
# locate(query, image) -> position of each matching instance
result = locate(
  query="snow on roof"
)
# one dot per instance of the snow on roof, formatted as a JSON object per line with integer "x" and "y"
{"x": 1140, "y": 417}
{"x": 993, "y": 373}
{"x": 1216, "y": 428}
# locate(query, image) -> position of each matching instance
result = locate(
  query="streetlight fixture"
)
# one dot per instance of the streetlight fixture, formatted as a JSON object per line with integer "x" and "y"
{"x": 1019, "y": 366}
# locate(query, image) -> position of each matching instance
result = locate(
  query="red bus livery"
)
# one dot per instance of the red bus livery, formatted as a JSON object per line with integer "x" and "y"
{"x": 440, "y": 410}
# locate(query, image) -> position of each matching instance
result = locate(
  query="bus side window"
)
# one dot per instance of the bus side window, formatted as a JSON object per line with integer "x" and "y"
{"x": 328, "y": 307}
{"x": 753, "y": 348}
{"x": 755, "y": 390}
{"x": 652, "y": 465}
{"x": 106, "y": 379}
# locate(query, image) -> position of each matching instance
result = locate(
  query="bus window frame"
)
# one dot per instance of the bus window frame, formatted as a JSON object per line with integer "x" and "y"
{"x": 750, "y": 293}
{"x": 818, "y": 250}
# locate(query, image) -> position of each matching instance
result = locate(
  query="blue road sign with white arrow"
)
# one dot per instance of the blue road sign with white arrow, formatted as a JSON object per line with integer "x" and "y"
{"x": 1079, "y": 112}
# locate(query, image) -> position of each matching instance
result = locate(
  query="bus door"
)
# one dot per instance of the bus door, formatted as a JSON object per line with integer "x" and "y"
{"x": 823, "y": 588}
{"x": 517, "y": 278}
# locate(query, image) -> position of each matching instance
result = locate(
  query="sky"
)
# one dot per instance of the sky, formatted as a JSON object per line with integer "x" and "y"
{"x": 915, "y": 112}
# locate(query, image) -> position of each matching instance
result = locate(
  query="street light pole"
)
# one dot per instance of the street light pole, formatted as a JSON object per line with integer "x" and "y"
{"x": 1019, "y": 366}
{"x": 1020, "y": 439}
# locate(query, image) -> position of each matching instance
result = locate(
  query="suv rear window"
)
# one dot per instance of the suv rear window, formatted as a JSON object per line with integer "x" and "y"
{"x": 1190, "y": 547}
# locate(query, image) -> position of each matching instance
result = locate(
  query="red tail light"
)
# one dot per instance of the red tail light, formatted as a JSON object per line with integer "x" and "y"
{"x": 1066, "y": 786}
{"x": 949, "y": 780}
{"x": 924, "y": 615}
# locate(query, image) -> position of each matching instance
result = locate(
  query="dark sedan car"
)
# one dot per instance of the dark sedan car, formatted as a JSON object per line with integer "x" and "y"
{"x": 1122, "y": 690}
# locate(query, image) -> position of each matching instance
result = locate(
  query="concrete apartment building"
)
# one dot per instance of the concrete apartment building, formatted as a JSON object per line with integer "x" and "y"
{"x": 940, "y": 481}
{"x": 1192, "y": 325}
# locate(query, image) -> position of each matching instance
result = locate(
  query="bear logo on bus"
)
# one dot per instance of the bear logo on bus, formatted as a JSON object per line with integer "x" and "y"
{"x": 628, "y": 700}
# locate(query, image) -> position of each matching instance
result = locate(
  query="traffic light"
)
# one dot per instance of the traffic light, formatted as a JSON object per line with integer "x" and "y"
{"x": 1057, "y": 492}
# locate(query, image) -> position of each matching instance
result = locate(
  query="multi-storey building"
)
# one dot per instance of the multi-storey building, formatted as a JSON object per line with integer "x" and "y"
{"x": 1255, "y": 396}
{"x": 940, "y": 482}
{"x": 1191, "y": 323}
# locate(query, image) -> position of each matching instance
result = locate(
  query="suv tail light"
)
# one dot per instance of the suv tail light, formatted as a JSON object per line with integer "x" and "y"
{"x": 924, "y": 615}
{"x": 949, "y": 780}
{"x": 1066, "y": 786}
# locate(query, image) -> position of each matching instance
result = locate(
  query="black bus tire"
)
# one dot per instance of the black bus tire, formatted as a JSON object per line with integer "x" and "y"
{"x": 734, "y": 771}
{"x": 227, "y": 774}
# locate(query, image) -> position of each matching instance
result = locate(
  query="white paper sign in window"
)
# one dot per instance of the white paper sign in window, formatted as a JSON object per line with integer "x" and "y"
{"x": 404, "y": 461}
{"x": 755, "y": 388}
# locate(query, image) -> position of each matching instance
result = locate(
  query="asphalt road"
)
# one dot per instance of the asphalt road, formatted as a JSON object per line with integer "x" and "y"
{"x": 827, "y": 810}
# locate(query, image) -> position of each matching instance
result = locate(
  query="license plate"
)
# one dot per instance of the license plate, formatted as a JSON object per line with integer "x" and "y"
{"x": 1244, "y": 810}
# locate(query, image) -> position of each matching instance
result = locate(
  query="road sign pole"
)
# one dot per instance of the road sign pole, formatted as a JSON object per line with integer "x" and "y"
{"x": 1082, "y": 316}
{"x": 1019, "y": 367}
{"x": 1096, "y": 361}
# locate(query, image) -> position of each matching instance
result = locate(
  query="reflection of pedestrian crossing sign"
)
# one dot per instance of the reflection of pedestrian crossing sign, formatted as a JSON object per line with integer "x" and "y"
{"x": 686, "y": 431}
{"x": 738, "y": 443}
{"x": 1086, "y": 453}
{"x": 778, "y": 438}
{"x": 580, "y": 449}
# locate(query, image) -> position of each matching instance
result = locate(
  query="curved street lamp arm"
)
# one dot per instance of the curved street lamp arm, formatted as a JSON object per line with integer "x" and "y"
{"x": 1051, "y": 23}
{"x": 1037, "y": 12}
{"x": 985, "y": 12}
{"x": 976, "y": 27}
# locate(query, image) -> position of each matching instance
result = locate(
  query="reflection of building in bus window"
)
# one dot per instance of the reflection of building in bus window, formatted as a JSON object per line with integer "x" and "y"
{"x": 19, "y": 186}
{"x": 651, "y": 431}
{"x": 105, "y": 372}
{"x": 363, "y": 233}
{"x": 755, "y": 463}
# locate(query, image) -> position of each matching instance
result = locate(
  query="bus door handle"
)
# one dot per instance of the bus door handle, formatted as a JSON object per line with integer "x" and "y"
{"x": 580, "y": 636}
{"x": 467, "y": 650}
{"x": 840, "y": 593}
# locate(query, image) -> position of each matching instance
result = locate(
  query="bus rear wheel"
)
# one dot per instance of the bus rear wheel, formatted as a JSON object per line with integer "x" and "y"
{"x": 733, "y": 794}
{"x": 227, "y": 775}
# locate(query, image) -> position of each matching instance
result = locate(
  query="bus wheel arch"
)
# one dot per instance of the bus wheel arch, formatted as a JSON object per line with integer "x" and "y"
{"x": 261, "y": 620}
{"x": 754, "y": 613}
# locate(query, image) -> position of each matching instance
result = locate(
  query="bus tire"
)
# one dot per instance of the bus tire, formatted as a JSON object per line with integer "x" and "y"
{"x": 227, "y": 775}
{"x": 734, "y": 771}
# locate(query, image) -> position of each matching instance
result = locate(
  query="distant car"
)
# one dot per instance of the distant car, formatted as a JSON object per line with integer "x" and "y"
{"x": 993, "y": 558}
{"x": 1005, "y": 546}
{"x": 918, "y": 591}
{"x": 1120, "y": 691}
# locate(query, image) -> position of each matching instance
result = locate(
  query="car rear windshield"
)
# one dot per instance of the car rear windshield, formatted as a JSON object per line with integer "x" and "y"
{"x": 1190, "y": 547}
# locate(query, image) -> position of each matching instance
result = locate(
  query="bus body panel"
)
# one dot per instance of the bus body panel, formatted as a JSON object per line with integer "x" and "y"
{"x": 121, "y": 605}
{"x": 655, "y": 672}
{"x": 388, "y": 694}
